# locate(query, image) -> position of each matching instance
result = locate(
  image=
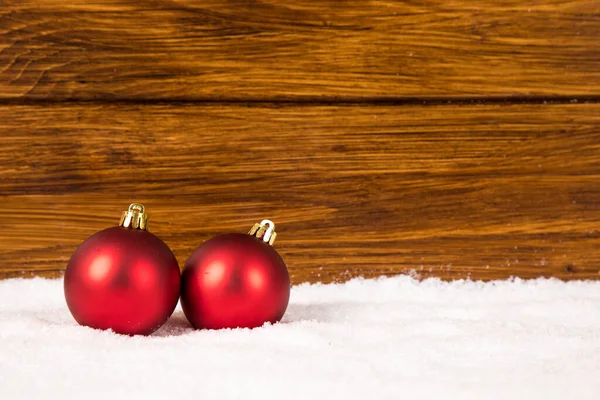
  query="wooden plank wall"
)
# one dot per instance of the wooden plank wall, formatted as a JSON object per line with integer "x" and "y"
{"x": 451, "y": 139}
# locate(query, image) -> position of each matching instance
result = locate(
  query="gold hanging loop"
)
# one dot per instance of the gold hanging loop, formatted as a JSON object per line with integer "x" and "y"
{"x": 135, "y": 217}
{"x": 265, "y": 230}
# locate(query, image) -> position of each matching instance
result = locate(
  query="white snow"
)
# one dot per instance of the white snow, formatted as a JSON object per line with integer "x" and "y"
{"x": 390, "y": 338}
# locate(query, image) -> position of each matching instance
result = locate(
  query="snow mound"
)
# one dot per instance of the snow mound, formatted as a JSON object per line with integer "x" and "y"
{"x": 389, "y": 338}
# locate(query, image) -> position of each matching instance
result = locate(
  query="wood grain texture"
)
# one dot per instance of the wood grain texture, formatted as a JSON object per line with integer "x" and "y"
{"x": 298, "y": 50}
{"x": 454, "y": 191}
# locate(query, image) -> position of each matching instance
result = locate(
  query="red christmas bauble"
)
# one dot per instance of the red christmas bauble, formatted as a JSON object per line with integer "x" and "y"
{"x": 123, "y": 278}
{"x": 234, "y": 281}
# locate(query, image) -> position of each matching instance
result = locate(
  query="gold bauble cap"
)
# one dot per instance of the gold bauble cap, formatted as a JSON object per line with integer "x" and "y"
{"x": 265, "y": 231}
{"x": 134, "y": 217}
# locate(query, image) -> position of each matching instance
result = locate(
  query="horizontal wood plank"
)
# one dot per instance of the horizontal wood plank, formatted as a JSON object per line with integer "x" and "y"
{"x": 297, "y": 50}
{"x": 452, "y": 191}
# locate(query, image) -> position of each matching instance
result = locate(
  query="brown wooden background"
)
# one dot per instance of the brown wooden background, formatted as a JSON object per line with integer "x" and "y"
{"x": 440, "y": 138}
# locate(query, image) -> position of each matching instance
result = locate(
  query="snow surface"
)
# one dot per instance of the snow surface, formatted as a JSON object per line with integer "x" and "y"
{"x": 390, "y": 338}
